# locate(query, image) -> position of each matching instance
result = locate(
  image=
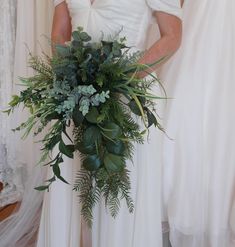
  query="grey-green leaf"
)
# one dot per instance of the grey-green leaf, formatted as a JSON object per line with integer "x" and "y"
{"x": 62, "y": 50}
{"x": 84, "y": 36}
{"x": 116, "y": 147}
{"x": 92, "y": 162}
{"x": 113, "y": 163}
{"x": 91, "y": 135}
{"x": 86, "y": 149}
{"x": 112, "y": 131}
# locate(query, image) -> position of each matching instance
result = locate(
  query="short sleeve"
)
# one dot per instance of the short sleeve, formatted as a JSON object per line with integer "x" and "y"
{"x": 56, "y": 2}
{"x": 169, "y": 6}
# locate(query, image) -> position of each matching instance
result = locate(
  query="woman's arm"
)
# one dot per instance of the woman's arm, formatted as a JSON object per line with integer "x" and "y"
{"x": 62, "y": 28}
{"x": 171, "y": 31}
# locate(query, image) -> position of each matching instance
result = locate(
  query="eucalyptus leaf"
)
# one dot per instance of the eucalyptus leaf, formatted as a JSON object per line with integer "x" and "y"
{"x": 92, "y": 115}
{"x": 113, "y": 163}
{"x": 112, "y": 130}
{"x": 92, "y": 162}
{"x": 76, "y": 36}
{"x": 84, "y": 36}
{"x": 63, "y": 50}
{"x": 91, "y": 135}
{"x": 115, "y": 147}
{"x": 86, "y": 149}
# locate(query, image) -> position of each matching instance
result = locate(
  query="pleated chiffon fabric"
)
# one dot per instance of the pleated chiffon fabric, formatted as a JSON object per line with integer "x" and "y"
{"x": 199, "y": 164}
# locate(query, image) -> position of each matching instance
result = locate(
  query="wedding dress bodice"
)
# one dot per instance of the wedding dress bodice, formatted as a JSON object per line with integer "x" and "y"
{"x": 107, "y": 18}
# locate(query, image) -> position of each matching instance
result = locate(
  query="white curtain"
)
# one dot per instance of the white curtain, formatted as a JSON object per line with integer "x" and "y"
{"x": 11, "y": 170}
{"x": 27, "y": 21}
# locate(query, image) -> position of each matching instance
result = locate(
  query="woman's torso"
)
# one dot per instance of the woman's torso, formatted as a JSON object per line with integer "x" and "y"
{"x": 107, "y": 18}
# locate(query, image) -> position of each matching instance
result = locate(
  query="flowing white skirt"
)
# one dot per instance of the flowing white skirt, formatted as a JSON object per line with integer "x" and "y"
{"x": 61, "y": 221}
{"x": 143, "y": 227}
{"x": 199, "y": 165}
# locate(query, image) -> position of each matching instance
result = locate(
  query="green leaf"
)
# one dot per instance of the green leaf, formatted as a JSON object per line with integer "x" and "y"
{"x": 15, "y": 101}
{"x": 92, "y": 162}
{"x": 66, "y": 149}
{"x": 91, "y": 135}
{"x": 151, "y": 119}
{"x": 100, "y": 79}
{"x": 77, "y": 117}
{"x": 42, "y": 188}
{"x": 52, "y": 116}
{"x": 8, "y": 111}
{"x": 51, "y": 180}
{"x": 134, "y": 107}
{"x": 142, "y": 100}
{"x": 116, "y": 147}
{"x": 113, "y": 163}
{"x": 53, "y": 141}
{"x": 112, "y": 131}
{"x": 51, "y": 161}
{"x": 86, "y": 149}
{"x": 138, "y": 104}
{"x": 56, "y": 170}
{"x": 92, "y": 115}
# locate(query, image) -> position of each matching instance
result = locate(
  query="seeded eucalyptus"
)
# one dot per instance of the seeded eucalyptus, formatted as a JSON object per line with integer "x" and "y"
{"x": 93, "y": 89}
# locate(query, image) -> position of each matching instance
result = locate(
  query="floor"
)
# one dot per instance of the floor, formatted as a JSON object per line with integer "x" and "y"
{"x": 7, "y": 210}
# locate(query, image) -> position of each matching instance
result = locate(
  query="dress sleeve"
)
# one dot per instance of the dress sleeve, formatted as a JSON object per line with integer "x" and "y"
{"x": 169, "y": 6}
{"x": 56, "y": 2}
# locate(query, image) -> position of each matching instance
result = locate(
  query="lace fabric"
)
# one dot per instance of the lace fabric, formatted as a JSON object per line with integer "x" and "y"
{"x": 21, "y": 156}
{"x": 11, "y": 170}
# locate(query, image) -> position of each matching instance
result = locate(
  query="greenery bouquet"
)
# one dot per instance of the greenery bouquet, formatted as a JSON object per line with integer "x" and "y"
{"x": 93, "y": 89}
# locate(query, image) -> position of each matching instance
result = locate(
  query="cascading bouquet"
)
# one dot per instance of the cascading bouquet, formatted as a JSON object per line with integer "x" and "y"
{"x": 94, "y": 89}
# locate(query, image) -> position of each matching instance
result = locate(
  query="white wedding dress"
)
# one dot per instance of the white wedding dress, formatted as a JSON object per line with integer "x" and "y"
{"x": 61, "y": 221}
{"x": 199, "y": 165}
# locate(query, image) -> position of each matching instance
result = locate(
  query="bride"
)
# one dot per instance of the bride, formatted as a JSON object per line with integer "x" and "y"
{"x": 61, "y": 220}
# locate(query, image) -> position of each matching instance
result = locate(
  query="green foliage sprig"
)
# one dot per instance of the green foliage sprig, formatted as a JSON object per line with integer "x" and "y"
{"x": 93, "y": 89}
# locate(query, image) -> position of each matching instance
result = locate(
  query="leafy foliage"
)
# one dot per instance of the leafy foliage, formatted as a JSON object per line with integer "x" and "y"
{"x": 92, "y": 88}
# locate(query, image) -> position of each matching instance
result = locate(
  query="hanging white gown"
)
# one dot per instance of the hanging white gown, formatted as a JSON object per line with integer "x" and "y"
{"x": 61, "y": 221}
{"x": 199, "y": 165}
{"x": 19, "y": 229}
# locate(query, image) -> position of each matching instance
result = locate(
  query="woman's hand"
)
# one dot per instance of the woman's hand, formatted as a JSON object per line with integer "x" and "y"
{"x": 170, "y": 28}
{"x": 62, "y": 28}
